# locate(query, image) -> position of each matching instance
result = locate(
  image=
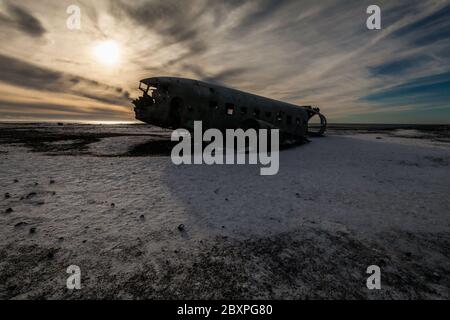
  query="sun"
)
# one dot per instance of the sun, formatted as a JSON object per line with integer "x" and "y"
{"x": 107, "y": 52}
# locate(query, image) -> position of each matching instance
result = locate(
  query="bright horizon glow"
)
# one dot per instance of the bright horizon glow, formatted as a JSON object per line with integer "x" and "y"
{"x": 107, "y": 52}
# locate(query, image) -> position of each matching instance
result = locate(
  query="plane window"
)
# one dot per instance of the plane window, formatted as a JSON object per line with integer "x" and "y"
{"x": 256, "y": 112}
{"x": 229, "y": 108}
{"x": 279, "y": 116}
{"x": 213, "y": 104}
{"x": 268, "y": 114}
{"x": 288, "y": 119}
{"x": 298, "y": 121}
{"x": 152, "y": 92}
{"x": 143, "y": 87}
{"x": 243, "y": 110}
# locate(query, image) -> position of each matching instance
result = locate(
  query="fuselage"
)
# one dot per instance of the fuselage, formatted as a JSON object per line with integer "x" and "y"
{"x": 174, "y": 103}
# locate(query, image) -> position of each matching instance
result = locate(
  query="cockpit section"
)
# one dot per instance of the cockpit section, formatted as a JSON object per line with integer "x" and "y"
{"x": 151, "y": 93}
{"x": 152, "y": 102}
{"x": 148, "y": 90}
{"x": 147, "y": 98}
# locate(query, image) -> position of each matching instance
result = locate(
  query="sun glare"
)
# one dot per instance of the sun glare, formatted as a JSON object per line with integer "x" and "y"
{"x": 107, "y": 52}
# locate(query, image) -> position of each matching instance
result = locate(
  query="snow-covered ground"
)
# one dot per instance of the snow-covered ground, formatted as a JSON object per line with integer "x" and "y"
{"x": 337, "y": 205}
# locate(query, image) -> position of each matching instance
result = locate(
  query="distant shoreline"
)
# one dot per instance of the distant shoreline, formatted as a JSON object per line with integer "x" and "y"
{"x": 330, "y": 125}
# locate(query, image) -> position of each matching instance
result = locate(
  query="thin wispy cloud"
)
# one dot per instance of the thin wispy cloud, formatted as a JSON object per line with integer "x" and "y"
{"x": 303, "y": 52}
{"x": 20, "y": 18}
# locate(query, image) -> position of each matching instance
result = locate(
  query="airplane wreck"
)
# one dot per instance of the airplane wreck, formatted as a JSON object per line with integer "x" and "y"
{"x": 175, "y": 103}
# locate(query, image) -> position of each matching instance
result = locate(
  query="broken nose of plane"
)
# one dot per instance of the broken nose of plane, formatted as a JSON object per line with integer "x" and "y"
{"x": 144, "y": 101}
{"x": 139, "y": 104}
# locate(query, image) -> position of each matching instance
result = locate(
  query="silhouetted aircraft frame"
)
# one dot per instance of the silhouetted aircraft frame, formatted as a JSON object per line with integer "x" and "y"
{"x": 175, "y": 103}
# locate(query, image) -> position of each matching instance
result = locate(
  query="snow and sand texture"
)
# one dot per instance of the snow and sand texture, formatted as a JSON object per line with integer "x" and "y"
{"x": 108, "y": 199}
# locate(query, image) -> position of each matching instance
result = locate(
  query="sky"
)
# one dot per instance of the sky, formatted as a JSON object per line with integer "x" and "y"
{"x": 316, "y": 53}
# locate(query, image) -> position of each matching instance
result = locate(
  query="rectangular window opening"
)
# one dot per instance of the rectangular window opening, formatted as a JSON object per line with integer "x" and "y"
{"x": 280, "y": 116}
{"x": 229, "y": 109}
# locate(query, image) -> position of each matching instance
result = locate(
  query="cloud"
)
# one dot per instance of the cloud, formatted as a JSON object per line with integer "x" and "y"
{"x": 304, "y": 52}
{"x": 401, "y": 66}
{"x": 21, "y": 73}
{"x": 177, "y": 22}
{"x": 27, "y": 75}
{"x": 226, "y": 76}
{"x": 49, "y": 111}
{"x": 258, "y": 13}
{"x": 429, "y": 29}
{"x": 433, "y": 89}
{"x": 23, "y": 20}
{"x": 221, "y": 77}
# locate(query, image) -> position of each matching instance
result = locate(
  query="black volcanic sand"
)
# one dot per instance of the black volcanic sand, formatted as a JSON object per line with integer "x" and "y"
{"x": 75, "y": 139}
{"x": 44, "y": 233}
{"x": 440, "y": 133}
{"x": 55, "y": 140}
{"x": 306, "y": 264}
